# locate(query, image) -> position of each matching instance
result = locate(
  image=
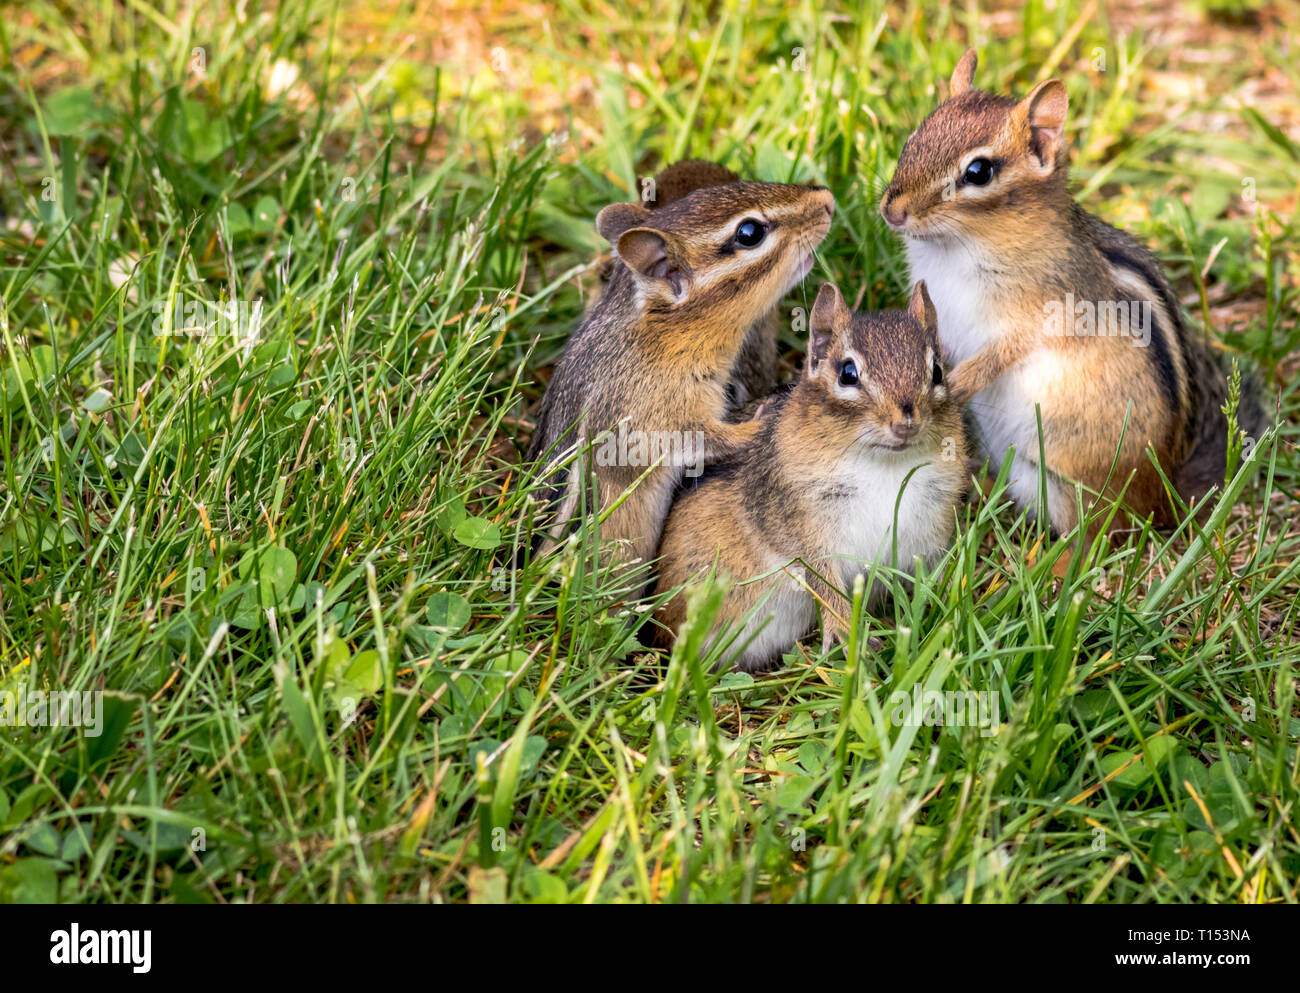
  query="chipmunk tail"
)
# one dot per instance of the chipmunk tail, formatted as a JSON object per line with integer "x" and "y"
{"x": 1208, "y": 450}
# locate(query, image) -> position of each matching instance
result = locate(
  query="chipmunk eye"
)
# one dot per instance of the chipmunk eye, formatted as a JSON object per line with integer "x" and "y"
{"x": 848, "y": 373}
{"x": 937, "y": 379}
{"x": 750, "y": 233}
{"x": 979, "y": 172}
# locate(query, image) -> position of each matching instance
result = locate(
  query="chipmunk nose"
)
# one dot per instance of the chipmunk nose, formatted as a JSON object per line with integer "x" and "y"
{"x": 895, "y": 215}
{"x": 827, "y": 199}
{"x": 905, "y": 428}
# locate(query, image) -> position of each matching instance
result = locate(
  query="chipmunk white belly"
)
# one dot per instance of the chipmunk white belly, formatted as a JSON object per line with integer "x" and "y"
{"x": 785, "y": 617}
{"x": 859, "y": 527}
{"x": 962, "y": 290}
{"x": 863, "y": 523}
{"x": 1005, "y": 412}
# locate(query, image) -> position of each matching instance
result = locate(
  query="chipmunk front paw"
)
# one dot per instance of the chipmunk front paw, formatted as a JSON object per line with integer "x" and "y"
{"x": 832, "y": 635}
{"x": 960, "y": 387}
{"x": 764, "y": 409}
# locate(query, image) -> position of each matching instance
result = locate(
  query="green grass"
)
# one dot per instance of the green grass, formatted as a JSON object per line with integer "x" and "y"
{"x": 288, "y": 559}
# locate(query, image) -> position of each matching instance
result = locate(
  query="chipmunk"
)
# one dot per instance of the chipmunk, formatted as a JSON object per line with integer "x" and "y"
{"x": 754, "y": 375}
{"x": 645, "y": 375}
{"x": 810, "y": 504}
{"x": 1042, "y": 303}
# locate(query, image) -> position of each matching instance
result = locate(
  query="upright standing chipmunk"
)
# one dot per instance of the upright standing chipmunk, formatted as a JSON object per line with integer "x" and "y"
{"x": 810, "y": 504}
{"x": 645, "y": 377}
{"x": 1041, "y": 303}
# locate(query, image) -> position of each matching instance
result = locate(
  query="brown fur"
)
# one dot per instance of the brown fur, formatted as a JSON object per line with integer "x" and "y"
{"x": 1033, "y": 245}
{"x": 780, "y": 519}
{"x": 687, "y": 176}
{"x": 657, "y": 350}
{"x": 755, "y": 372}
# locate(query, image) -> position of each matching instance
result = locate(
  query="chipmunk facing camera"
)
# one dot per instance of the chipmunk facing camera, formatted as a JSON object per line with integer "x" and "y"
{"x": 645, "y": 378}
{"x": 1040, "y": 303}
{"x": 812, "y": 503}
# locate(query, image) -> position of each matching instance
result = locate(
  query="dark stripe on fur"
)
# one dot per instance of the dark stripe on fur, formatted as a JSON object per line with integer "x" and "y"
{"x": 1166, "y": 371}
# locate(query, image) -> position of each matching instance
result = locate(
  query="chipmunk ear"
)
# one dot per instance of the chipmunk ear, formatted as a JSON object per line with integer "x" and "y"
{"x": 613, "y": 220}
{"x": 1042, "y": 114}
{"x": 964, "y": 74}
{"x": 922, "y": 308}
{"x": 653, "y": 254}
{"x": 829, "y": 315}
